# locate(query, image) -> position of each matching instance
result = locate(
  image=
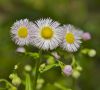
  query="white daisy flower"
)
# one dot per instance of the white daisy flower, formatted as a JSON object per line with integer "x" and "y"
{"x": 47, "y": 34}
{"x": 21, "y": 32}
{"x": 72, "y": 36}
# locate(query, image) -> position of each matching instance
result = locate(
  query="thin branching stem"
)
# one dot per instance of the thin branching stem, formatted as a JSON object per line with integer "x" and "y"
{"x": 37, "y": 69}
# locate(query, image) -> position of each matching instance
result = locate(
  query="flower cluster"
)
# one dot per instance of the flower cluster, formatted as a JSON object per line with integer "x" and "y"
{"x": 46, "y": 34}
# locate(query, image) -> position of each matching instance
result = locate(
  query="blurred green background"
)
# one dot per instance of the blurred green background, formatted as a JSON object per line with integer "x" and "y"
{"x": 84, "y": 14}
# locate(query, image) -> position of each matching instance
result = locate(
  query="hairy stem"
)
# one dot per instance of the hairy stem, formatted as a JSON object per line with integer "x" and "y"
{"x": 3, "y": 80}
{"x": 37, "y": 70}
{"x": 28, "y": 82}
{"x": 61, "y": 87}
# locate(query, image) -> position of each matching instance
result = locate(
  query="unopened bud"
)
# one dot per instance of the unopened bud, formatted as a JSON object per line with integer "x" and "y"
{"x": 11, "y": 76}
{"x": 68, "y": 70}
{"x": 92, "y": 53}
{"x": 50, "y": 60}
{"x": 16, "y": 67}
{"x": 16, "y": 81}
{"x": 85, "y": 51}
{"x": 55, "y": 54}
{"x": 28, "y": 68}
{"x": 21, "y": 50}
{"x": 86, "y": 36}
{"x": 79, "y": 68}
{"x": 76, "y": 74}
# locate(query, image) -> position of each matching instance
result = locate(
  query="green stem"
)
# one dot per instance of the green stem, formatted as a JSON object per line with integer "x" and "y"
{"x": 37, "y": 70}
{"x": 61, "y": 87}
{"x": 3, "y": 80}
{"x": 73, "y": 60}
{"x": 74, "y": 85}
{"x": 28, "y": 82}
{"x": 74, "y": 63}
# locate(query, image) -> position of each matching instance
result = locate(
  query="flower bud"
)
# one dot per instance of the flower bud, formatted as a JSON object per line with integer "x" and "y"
{"x": 42, "y": 66}
{"x": 85, "y": 51}
{"x": 86, "y": 36}
{"x": 40, "y": 83}
{"x": 55, "y": 54}
{"x": 16, "y": 81}
{"x": 39, "y": 86}
{"x": 68, "y": 70}
{"x": 50, "y": 60}
{"x": 28, "y": 68}
{"x": 21, "y": 50}
{"x": 79, "y": 68}
{"x": 11, "y": 76}
{"x": 92, "y": 53}
{"x": 76, "y": 74}
{"x": 16, "y": 67}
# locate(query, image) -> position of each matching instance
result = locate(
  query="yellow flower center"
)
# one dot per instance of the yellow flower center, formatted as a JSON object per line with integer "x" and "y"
{"x": 47, "y": 32}
{"x": 22, "y": 32}
{"x": 70, "y": 38}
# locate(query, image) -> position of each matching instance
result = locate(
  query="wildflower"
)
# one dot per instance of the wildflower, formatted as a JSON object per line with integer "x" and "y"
{"x": 71, "y": 41}
{"x": 68, "y": 70}
{"x": 47, "y": 34}
{"x": 21, "y": 32}
{"x": 86, "y": 36}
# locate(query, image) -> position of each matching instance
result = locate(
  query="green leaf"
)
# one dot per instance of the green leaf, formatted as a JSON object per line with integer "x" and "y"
{"x": 47, "y": 67}
{"x": 8, "y": 84}
{"x": 50, "y": 60}
{"x": 34, "y": 55}
{"x": 61, "y": 64}
{"x": 73, "y": 61}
